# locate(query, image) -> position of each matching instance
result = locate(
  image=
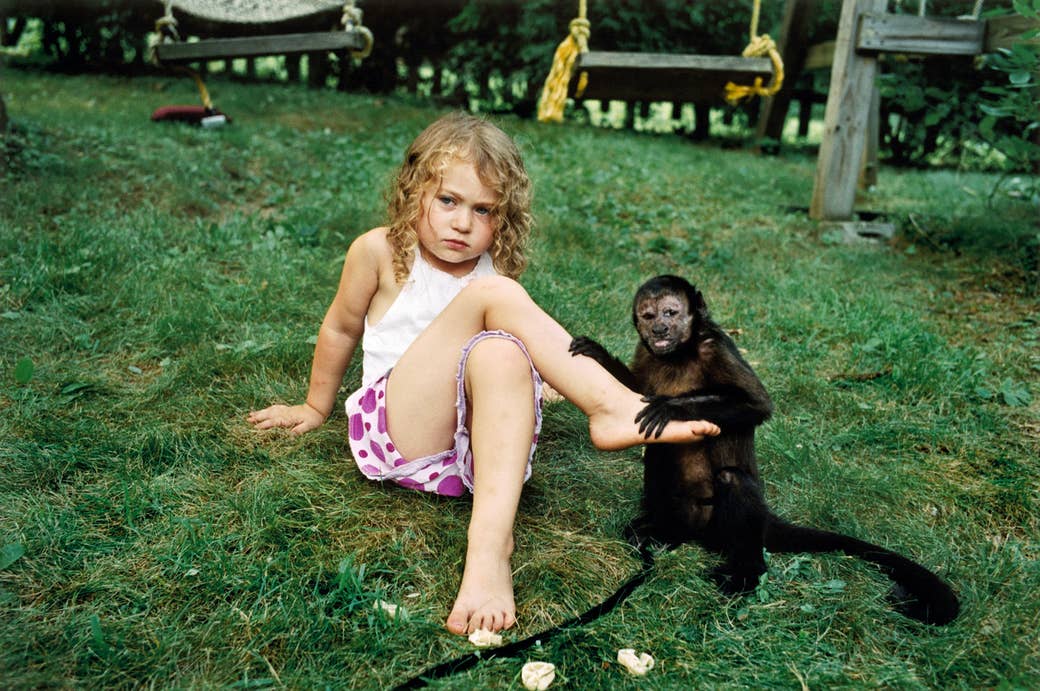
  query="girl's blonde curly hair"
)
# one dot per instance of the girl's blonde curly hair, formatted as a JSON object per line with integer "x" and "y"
{"x": 462, "y": 137}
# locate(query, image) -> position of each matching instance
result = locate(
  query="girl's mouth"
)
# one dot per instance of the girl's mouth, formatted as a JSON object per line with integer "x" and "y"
{"x": 456, "y": 244}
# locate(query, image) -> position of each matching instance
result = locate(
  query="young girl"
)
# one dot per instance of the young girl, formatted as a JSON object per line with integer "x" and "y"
{"x": 454, "y": 352}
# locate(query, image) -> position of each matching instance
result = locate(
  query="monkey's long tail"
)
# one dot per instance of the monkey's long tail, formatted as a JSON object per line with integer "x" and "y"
{"x": 918, "y": 593}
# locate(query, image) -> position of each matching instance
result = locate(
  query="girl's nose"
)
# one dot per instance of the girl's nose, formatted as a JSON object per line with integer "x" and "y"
{"x": 461, "y": 220}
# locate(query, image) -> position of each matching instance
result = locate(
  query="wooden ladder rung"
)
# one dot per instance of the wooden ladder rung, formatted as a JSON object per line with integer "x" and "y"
{"x": 905, "y": 33}
{"x": 255, "y": 46}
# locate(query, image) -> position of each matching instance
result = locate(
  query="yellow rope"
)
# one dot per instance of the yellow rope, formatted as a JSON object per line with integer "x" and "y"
{"x": 203, "y": 92}
{"x": 554, "y": 93}
{"x": 352, "y": 21}
{"x": 758, "y": 46}
{"x": 166, "y": 29}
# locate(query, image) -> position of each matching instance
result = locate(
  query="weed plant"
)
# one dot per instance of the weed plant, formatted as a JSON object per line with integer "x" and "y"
{"x": 157, "y": 282}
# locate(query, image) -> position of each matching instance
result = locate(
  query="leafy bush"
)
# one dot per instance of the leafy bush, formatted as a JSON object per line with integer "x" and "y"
{"x": 931, "y": 107}
{"x": 109, "y": 40}
{"x": 1012, "y": 110}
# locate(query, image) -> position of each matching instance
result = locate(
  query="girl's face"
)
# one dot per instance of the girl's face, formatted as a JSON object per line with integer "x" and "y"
{"x": 457, "y": 222}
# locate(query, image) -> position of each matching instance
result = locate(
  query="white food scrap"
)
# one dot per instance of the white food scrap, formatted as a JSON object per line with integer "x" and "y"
{"x": 537, "y": 676}
{"x": 387, "y": 607}
{"x": 482, "y": 638}
{"x": 636, "y": 664}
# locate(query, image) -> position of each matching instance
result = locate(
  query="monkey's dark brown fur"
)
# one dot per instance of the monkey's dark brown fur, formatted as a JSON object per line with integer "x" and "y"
{"x": 709, "y": 492}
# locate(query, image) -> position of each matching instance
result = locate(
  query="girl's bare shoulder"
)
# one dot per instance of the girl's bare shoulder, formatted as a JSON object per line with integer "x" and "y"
{"x": 373, "y": 243}
{"x": 370, "y": 250}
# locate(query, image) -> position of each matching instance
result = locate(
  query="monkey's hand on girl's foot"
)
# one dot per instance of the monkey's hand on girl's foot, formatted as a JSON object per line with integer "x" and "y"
{"x": 660, "y": 410}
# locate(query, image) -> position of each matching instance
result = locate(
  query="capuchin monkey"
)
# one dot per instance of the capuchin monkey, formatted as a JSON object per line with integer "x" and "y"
{"x": 709, "y": 492}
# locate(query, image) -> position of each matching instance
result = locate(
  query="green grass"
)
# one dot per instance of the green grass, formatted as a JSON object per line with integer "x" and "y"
{"x": 163, "y": 281}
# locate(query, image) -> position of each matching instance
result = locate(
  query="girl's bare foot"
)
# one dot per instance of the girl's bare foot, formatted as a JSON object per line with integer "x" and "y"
{"x": 485, "y": 599}
{"x": 616, "y": 428}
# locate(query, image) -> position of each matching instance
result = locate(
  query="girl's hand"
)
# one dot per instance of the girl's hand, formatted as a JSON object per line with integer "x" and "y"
{"x": 299, "y": 418}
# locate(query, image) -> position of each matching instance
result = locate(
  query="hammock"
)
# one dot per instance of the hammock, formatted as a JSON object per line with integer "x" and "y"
{"x": 172, "y": 51}
{"x": 353, "y": 37}
{"x": 255, "y": 11}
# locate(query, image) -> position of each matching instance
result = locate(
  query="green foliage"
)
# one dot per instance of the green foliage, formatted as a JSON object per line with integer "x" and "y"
{"x": 99, "y": 39}
{"x": 502, "y": 51}
{"x": 1012, "y": 110}
{"x": 23, "y": 371}
{"x": 958, "y": 111}
{"x": 9, "y": 554}
{"x": 715, "y": 28}
{"x": 929, "y": 109}
{"x": 1010, "y": 393}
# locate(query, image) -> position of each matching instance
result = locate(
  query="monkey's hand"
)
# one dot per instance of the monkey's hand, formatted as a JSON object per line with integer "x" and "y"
{"x": 583, "y": 345}
{"x": 659, "y": 411}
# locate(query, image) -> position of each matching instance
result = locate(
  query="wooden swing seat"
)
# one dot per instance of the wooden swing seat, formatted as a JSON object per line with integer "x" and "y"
{"x": 256, "y": 46}
{"x": 666, "y": 76}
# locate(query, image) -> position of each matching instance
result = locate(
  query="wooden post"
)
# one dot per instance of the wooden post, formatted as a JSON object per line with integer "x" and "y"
{"x": 793, "y": 44}
{"x": 868, "y": 172}
{"x": 853, "y": 77}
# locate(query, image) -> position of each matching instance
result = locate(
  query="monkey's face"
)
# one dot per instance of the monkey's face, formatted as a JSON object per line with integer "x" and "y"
{"x": 664, "y": 322}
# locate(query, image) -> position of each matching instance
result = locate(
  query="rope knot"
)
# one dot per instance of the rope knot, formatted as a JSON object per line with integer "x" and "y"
{"x": 581, "y": 30}
{"x": 352, "y": 21}
{"x": 757, "y": 47}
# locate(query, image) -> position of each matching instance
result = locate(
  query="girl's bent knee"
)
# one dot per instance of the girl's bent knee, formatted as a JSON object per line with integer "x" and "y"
{"x": 494, "y": 288}
{"x": 499, "y": 355}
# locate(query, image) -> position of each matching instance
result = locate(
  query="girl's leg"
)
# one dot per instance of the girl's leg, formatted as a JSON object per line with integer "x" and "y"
{"x": 500, "y": 392}
{"x": 424, "y": 379}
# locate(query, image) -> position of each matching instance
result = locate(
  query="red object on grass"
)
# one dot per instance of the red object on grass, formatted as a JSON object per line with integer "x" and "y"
{"x": 195, "y": 115}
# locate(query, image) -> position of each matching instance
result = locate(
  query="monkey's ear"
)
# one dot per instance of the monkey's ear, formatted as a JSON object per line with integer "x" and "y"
{"x": 696, "y": 299}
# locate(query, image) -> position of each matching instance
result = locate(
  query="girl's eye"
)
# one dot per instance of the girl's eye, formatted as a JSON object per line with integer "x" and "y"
{"x": 483, "y": 211}
{"x": 447, "y": 201}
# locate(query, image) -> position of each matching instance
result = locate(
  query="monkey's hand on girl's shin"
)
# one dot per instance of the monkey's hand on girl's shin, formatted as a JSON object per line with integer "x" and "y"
{"x": 583, "y": 345}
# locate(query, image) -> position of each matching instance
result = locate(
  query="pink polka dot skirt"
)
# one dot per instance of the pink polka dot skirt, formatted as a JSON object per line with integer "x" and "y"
{"x": 450, "y": 472}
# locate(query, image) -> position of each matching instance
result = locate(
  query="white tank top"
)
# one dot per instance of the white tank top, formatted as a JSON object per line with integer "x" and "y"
{"x": 424, "y": 295}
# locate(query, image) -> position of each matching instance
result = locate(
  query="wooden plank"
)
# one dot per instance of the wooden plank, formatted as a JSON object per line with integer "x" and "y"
{"x": 904, "y": 33}
{"x": 846, "y": 119}
{"x": 820, "y": 56}
{"x": 666, "y": 76}
{"x": 255, "y": 46}
{"x": 1004, "y": 32}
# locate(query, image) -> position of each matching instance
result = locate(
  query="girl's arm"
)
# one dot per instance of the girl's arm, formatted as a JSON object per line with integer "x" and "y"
{"x": 338, "y": 336}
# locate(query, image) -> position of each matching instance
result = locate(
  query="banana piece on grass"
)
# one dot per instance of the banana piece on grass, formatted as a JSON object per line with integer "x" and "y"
{"x": 387, "y": 608}
{"x": 482, "y": 638}
{"x": 636, "y": 664}
{"x": 537, "y": 676}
